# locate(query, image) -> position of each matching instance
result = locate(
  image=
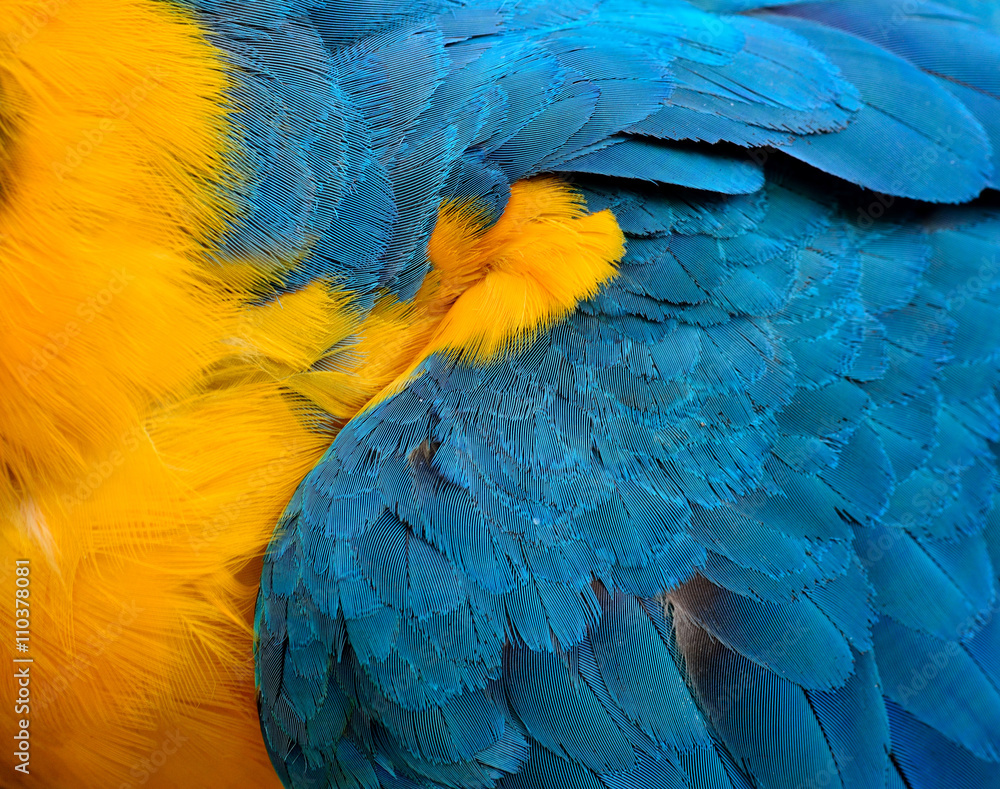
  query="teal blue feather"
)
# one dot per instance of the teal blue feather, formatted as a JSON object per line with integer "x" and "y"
{"x": 715, "y": 527}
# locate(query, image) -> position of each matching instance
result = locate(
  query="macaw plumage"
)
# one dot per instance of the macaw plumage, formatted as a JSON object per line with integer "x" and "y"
{"x": 452, "y": 393}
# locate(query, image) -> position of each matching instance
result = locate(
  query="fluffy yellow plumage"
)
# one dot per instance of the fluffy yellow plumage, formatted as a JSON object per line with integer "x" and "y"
{"x": 135, "y": 484}
{"x": 154, "y": 421}
{"x": 491, "y": 290}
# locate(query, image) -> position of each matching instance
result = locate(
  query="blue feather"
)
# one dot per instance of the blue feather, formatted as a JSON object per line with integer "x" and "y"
{"x": 938, "y": 151}
{"x": 714, "y": 527}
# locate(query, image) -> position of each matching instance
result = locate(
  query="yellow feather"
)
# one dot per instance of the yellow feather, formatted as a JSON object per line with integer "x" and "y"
{"x": 495, "y": 289}
{"x": 113, "y": 130}
{"x": 131, "y": 482}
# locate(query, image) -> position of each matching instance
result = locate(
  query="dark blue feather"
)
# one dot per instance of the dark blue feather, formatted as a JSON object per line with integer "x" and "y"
{"x": 933, "y": 151}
